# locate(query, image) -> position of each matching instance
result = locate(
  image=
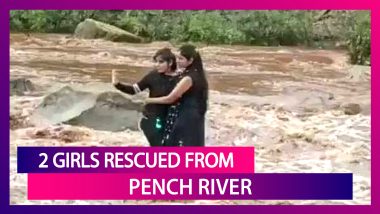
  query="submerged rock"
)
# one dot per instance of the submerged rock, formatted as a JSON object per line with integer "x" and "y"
{"x": 20, "y": 86}
{"x": 17, "y": 121}
{"x": 63, "y": 134}
{"x": 351, "y": 108}
{"x": 305, "y": 101}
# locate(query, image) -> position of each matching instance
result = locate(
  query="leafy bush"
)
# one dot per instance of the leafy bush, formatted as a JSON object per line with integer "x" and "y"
{"x": 359, "y": 44}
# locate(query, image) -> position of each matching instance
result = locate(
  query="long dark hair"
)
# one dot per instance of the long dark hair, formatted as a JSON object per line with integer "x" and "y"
{"x": 167, "y": 55}
{"x": 189, "y": 52}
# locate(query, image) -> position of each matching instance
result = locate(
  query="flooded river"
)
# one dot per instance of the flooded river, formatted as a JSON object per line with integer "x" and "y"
{"x": 304, "y": 110}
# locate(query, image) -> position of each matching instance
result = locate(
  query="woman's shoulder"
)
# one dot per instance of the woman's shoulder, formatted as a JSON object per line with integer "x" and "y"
{"x": 193, "y": 74}
{"x": 152, "y": 73}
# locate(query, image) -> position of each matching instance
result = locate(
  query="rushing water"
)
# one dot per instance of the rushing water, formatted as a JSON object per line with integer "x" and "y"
{"x": 285, "y": 101}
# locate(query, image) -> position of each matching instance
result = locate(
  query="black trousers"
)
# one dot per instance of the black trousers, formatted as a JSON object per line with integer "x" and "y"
{"x": 153, "y": 131}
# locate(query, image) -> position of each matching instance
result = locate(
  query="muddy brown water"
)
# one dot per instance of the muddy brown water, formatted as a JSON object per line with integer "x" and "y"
{"x": 232, "y": 69}
{"x": 326, "y": 141}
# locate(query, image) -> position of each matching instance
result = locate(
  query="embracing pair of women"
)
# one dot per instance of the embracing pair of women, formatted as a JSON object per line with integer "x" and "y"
{"x": 174, "y": 114}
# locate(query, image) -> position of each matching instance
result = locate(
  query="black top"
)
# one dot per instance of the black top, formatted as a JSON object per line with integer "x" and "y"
{"x": 197, "y": 95}
{"x": 158, "y": 84}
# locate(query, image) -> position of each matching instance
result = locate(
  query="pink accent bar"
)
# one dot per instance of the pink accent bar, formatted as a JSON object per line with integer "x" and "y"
{"x": 117, "y": 186}
{"x": 136, "y": 160}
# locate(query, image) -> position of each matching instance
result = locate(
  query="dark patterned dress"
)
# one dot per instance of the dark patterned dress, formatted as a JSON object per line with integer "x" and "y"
{"x": 185, "y": 123}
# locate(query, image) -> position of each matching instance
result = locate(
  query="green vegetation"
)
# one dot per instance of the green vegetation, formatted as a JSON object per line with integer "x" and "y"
{"x": 359, "y": 44}
{"x": 269, "y": 28}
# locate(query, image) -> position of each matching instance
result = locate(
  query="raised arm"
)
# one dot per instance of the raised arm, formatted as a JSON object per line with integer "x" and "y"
{"x": 129, "y": 88}
{"x": 183, "y": 85}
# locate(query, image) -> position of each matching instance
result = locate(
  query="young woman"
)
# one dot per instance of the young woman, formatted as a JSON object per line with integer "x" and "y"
{"x": 185, "y": 124}
{"x": 160, "y": 82}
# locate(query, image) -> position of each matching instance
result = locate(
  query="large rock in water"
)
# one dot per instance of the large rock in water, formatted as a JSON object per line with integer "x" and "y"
{"x": 91, "y": 29}
{"x": 112, "y": 112}
{"x": 20, "y": 86}
{"x": 63, "y": 105}
{"x": 351, "y": 108}
{"x": 109, "y": 111}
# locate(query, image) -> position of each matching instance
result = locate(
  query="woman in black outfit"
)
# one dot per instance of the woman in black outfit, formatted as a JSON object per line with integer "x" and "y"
{"x": 185, "y": 125}
{"x": 160, "y": 82}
